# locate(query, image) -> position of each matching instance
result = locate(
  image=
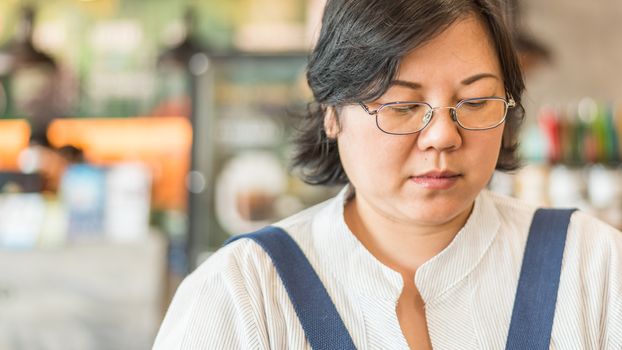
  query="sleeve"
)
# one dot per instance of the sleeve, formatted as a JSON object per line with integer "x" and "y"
{"x": 213, "y": 309}
{"x": 613, "y": 299}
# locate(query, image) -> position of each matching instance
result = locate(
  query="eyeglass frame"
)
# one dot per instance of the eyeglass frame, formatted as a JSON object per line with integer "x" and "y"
{"x": 509, "y": 103}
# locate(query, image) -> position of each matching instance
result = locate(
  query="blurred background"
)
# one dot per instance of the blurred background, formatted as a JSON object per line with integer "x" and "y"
{"x": 136, "y": 136}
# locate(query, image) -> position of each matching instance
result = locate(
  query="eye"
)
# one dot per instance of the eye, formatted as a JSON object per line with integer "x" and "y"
{"x": 474, "y": 104}
{"x": 403, "y": 109}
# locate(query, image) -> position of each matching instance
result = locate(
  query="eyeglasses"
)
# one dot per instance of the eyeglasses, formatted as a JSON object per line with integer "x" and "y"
{"x": 402, "y": 118}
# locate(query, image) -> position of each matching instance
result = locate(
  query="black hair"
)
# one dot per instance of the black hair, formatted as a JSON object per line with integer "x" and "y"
{"x": 358, "y": 53}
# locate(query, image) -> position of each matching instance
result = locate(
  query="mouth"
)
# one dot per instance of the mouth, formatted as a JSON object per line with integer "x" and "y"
{"x": 437, "y": 179}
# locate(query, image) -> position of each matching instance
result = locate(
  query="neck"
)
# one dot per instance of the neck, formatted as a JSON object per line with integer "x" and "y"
{"x": 400, "y": 245}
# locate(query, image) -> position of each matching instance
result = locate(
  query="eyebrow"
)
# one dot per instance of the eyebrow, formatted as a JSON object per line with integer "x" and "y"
{"x": 408, "y": 84}
{"x": 477, "y": 77}
{"x": 467, "y": 81}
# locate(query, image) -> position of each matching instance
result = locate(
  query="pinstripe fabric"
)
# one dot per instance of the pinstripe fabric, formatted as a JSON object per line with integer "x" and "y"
{"x": 316, "y": 311}
{"x": 235, "y": 300}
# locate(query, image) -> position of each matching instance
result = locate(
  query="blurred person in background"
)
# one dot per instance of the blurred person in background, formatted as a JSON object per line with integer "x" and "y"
{"x": 416, "y": 104}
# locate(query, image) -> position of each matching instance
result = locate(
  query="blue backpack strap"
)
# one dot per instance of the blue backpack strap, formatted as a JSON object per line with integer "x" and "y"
{"x": 536, "y": 295}
{"x": 320, "y": 320}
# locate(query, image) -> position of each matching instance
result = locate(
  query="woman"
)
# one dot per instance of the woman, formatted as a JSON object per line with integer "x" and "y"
{"x": 418, "y": 102}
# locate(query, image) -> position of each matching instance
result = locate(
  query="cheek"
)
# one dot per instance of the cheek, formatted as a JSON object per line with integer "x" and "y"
{"x": 368, "y": 155}
{"x": 483, "y": 149}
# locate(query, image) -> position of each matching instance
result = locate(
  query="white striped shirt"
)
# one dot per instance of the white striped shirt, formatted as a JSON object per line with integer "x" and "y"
{"x": 236, "y": 300}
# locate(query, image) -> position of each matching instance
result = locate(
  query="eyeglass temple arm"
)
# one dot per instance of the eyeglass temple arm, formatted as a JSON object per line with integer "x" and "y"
{"x": 510, "y": 101}
{"x": 374, "y": 112}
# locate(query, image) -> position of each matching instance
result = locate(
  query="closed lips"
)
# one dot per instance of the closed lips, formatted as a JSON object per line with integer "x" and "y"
{"x": 438, "y": 174}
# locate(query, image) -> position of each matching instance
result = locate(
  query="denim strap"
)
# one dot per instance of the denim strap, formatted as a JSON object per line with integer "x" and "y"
{"x": 536, "y": 294}
{"x": 320, "y": 320}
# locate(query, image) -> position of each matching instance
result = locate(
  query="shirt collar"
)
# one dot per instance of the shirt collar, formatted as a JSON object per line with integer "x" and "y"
{"x": 463, "y": 254}
{"x": 355, "y": 267}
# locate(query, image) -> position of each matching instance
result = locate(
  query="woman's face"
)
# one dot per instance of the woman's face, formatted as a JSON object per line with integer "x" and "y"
{"x": 433, "y": 176}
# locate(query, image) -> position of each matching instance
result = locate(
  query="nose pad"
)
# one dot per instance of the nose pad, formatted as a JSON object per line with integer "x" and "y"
{"x": 427, "y": 117}
{"x": 454, "y": 115}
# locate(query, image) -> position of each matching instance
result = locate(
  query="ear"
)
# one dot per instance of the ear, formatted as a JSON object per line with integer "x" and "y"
{"x": 331, "y": 124}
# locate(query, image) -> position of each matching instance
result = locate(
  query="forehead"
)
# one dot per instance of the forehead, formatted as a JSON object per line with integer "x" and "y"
{"x": 463, "y": 49}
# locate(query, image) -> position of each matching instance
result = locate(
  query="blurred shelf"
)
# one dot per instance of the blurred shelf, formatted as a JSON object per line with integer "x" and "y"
{"x": 83, "y": 296}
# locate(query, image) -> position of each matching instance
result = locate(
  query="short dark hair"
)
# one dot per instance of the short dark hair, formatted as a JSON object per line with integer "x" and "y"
{"x": 358, "y": 53}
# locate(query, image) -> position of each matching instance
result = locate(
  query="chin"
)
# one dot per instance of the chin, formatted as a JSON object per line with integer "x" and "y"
{"x": 439, "y": 213}
{"x": 435, "y": 220}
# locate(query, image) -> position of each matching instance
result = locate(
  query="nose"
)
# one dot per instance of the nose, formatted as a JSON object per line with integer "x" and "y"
{"x": 442, "y": 133}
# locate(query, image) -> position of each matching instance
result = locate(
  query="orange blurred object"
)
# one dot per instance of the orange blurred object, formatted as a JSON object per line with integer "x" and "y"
{"x": 162, "y": 143}
{"x": 14, "y": 137}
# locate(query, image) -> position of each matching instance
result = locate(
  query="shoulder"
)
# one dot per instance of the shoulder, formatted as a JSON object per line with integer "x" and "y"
{"x": 215, "y": 304}
{"x": 595, "y": 245}
{"x": 244, "y": 256}
{"x": 587, "y": 235}
{"x": 591, "y": 267}
{"x": 591, "y": 230}
{"x": 592, "y": 277}
{"x": 583, "y": 226}
{"x": 229, "y": 294}
{"x": 302, "y": 222}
